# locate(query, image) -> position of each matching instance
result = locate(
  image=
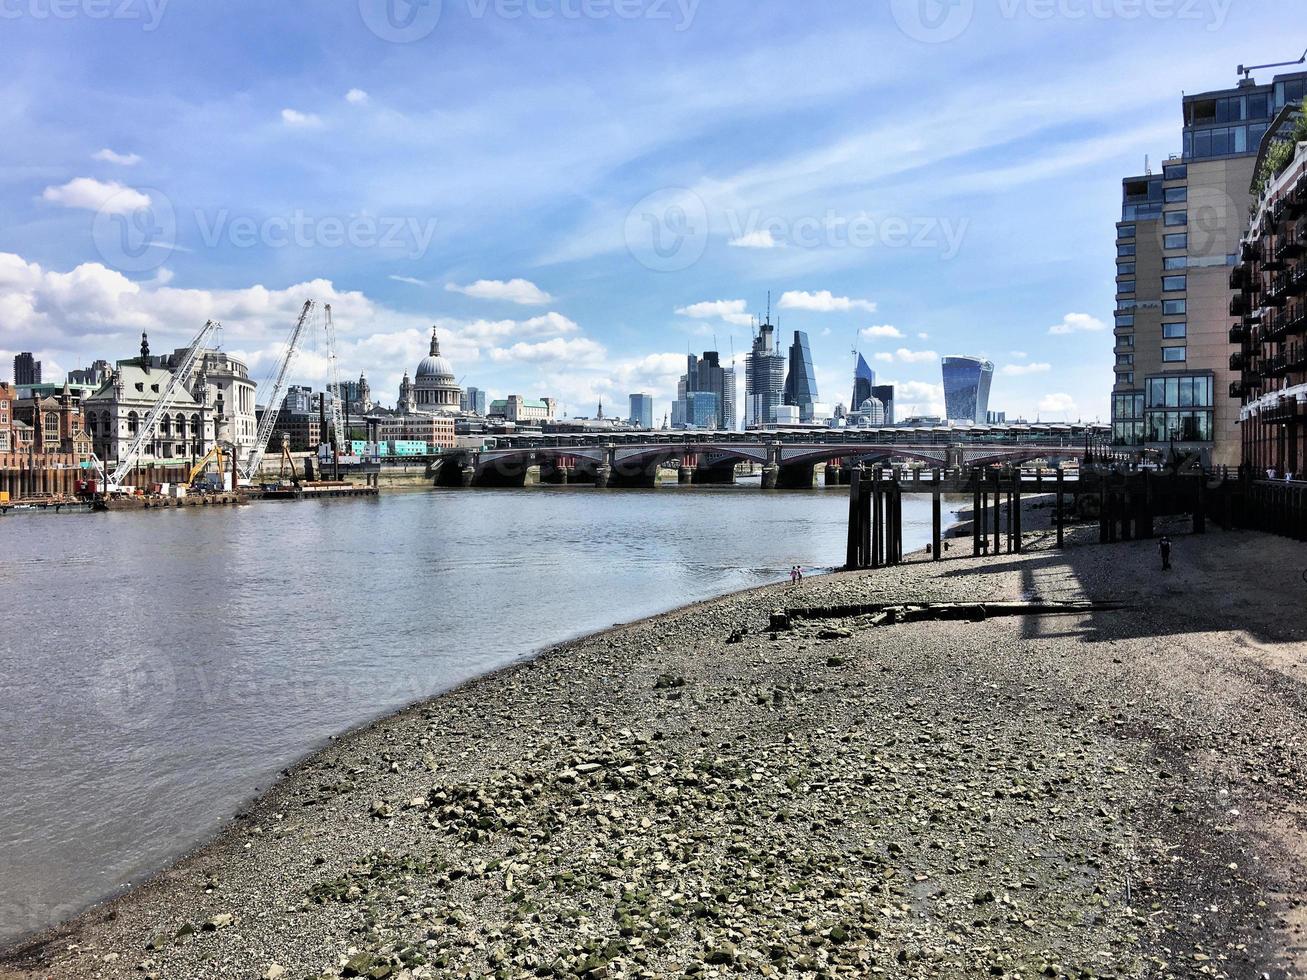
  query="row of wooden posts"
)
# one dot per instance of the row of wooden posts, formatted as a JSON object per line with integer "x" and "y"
{"x": 875, "y": 537}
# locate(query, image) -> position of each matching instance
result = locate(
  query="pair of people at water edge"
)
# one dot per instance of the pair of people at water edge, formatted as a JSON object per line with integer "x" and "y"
{"x": 796, "y": 575}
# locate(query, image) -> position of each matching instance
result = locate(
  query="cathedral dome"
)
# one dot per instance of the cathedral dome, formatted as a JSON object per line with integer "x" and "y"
{"x": 434, "y": 387}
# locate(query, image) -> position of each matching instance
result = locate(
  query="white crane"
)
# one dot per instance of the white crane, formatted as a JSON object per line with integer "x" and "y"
{"x": 337, "y": 415}
{"x": 272, "y": 407}
{"x": 181, "y": 377}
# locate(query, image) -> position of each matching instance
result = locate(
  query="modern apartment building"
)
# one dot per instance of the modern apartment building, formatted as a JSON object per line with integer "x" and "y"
{"x": 1177, "y": 239}
{"x": 966, "y": 387}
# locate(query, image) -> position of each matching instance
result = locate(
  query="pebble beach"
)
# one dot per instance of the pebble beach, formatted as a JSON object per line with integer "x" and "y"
{"x": 876, "y": 790}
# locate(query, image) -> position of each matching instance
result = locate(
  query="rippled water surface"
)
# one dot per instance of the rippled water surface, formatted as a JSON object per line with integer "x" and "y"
{"x": 158, "y": 667}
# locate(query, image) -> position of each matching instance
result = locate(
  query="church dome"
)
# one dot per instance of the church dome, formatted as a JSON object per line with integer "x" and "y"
{"x": 434, "y": 387}
{"x": 434, "y": 366}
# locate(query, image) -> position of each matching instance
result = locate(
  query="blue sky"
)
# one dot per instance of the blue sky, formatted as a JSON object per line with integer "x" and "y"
{"x": 579, "y": 191}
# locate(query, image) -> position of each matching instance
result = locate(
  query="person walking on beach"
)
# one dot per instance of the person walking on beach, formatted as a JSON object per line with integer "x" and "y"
{"x": 794, "y": 574}
{"x": 1164, "y": 546}
{"x": 798, "y": 571}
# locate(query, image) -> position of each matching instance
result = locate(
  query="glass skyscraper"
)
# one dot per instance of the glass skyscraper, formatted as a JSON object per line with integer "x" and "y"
{"x": 864, "y": 380}
{"x": 764, "y": 378}
{"x": 706, "y": 374}
{"x": 642, "y": 411}
{"x": 966, "y": 387}
{"x": 801, "y": 383}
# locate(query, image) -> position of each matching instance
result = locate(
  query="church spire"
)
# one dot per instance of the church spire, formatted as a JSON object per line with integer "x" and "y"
{"x": 435, "y": 343}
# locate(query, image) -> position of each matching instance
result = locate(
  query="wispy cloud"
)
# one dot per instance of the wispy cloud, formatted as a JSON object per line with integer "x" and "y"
{"x": 300, "y": 120}
{"x": 407, "y": 279}
{"x": 824, "y": 302}
{"x": 883, "y": 331}
{"x": 356, "y": 96}
{"x": 121, "y": 159}
{"x": 89, "y": 194}
{"x": 1077, "y": 323}
{"x": 755, "y": 239}
{"x": 520, "y": 291}
{"x": 730, "y": 310}
{"x": 1017, "y": 370}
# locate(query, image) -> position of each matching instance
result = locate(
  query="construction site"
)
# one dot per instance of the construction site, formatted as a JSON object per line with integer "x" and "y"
{"x": 226, "y": 474}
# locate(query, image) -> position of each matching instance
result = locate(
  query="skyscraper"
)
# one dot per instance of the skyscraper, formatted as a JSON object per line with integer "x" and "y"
{"x": 801, "y": 382}
{"x": 706, "y": 374}
{"x": 764, "y": 377}
{"x": 475, "y": 401}
{"x": 864, "y": 379}
{"x": 1177, "y": 237}
{"x": 641, "y": 411}
{"x": 966, "y": 387}
{"x": 885, "y": 395}
{"x": 27, "y": 371}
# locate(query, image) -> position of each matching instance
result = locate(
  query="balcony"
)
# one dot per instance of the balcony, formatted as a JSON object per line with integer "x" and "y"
{"x": 1290, "y": 248}
{"x": 1237, "y": 389}
{"x": 1250, "y": 252}
{"x": 1239, "y": 277}
{"x": 1239, "y": 305}
{"x": 1238, "y": 361}
{"x": 1238, "y": 333}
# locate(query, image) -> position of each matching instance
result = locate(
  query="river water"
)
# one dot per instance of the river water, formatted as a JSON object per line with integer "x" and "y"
{"x": 158, "y": 668}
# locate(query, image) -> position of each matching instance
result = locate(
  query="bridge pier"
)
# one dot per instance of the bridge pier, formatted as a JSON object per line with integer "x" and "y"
{"x": 720, "y": 474}
{"x": 770, "y": 475}
{"x": 799, "y": 477}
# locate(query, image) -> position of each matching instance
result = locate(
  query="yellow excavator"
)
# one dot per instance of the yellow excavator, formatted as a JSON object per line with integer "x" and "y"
{"x": 199, "y": 480}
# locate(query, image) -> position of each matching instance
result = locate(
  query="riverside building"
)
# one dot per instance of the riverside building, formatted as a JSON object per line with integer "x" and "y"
{"x": 1177, "y": 239}
{"x": 1269, "y": 334}
{"x": 966, "y": 387}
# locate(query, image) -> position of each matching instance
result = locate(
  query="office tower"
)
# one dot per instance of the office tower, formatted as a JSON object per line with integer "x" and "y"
{"x": 1177, "y": 238}
{"x": 27, "y": 371}
{"x": 864, "y": 379}
{"x": 966, "y": 387}
{"x": 474, "y": 400}
{"x": 801, "y": 382}
{"x": 702, "y": 409}
{"x": 641, "y": 411}
{"x": 885, "y": 395}
{"x": 764, "y": 377}
{"x": 705, "y": 374}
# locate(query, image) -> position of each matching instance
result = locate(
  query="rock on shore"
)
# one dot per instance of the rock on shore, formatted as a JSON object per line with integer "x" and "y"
{"x": 1105, "y": 793}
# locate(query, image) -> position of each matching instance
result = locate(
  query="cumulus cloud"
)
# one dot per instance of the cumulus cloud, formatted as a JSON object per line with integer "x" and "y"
{"x": 885, "y": 356}
{"x": 577, "y": 351}
{"x": 520, "y": 291}
{"x": 1019, "y": 354}
{"x": 906, "y": 356}
{"x": 755, "y": 239}
{"x": 121, "y": 159}
{"x": 730, "y": 310}
{"x": 89, "y": 194}
{"x": 1032, "y": 368}
{"x": 300, "y": 120}
{"x": 356, "y": 96}
{"x": 1058, "y": 403}
{"x": 885, "y": 330}
{"x": 1077, "y": 323}
{"x": 824, "y": 302}
{"x": 499, "y": 331}
{"x": 917, "y": 398}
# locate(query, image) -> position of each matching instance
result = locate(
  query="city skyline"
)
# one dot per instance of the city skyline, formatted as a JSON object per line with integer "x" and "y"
{"x": 526, "y": 277}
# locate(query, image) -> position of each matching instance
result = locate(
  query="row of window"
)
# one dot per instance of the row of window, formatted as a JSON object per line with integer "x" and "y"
{"x": 1171, "y": 355}
{"x": 1183, "y": 391}
{"x": 1129, "y": 405}
{"x": 1204, "y": 143}
{"x": 1170, "y": 307}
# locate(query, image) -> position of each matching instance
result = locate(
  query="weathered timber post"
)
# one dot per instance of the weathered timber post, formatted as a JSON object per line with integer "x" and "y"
{"x": 1061, "y": 537}
{"x": 877, "y": 521}
{"x": 998, "y": 513}
{"x": 853, "y": 555}
{"x": 1200, "y": 505}
{"x": 977, "y": 515}
{"x": 935, "y": 520}
{"x": 1016, "y": 509}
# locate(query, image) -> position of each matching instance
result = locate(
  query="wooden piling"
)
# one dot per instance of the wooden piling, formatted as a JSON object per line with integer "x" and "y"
{"x": 935, "y": 520}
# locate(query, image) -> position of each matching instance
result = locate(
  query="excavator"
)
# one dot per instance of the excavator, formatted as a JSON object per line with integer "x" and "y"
{"x": 201, "y": 480}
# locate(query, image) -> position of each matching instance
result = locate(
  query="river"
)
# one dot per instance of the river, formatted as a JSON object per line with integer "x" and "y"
{"x": 158, "y": 668}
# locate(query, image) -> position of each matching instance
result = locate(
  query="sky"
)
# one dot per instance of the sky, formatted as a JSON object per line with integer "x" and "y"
{"x": 577, "y": 193}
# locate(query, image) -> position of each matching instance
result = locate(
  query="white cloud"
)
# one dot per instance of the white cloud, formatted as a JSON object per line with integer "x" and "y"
{"x": 755, "y": 239}
{"x": 917, "y": 398}
{"x": 580, "y": 351}
{"x": 90, "y": 194}
{"x": 885, "y": 356}
{"x": 407, "y": 279}
{"x": 906, "y": 356}
{"x": 1032, "y": 368}
{"x": 300, "y": 120}
{"x": 483, "y": 332}
{"x": 1058, "y": 403}
{"x": 824, "y": 302}
{"x": 519, "y": 291}
{"x": 1020, "y": 354}
{"x": 923, "y": 336}
{"x": 1077, "y": 323}
{"x": 894, "y": 333}
{"x": 356, "y": 96}
{"x": 121, "y": 159}
{"x": 730, "y": 310}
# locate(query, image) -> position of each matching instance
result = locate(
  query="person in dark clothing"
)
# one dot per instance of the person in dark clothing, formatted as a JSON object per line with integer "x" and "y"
{"x": 1164, "y": 546}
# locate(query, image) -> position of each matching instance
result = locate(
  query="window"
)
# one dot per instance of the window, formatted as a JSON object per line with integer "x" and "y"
{"x": 1125, "y": 231}
{"x": 1125, "y": 288}
{"x": 1175, "y": 264}
{"x": 1173, "y": 284}
{"x": 1175, "y": 171}
{"x": 1125, "y": 319}
{"x": 1125, "y": 360}
{"x": 1173, "y": 354}
{"x": 1125, "y": 268}
{"x": 1174, "y": 307}
{"x": 1125, "y": 340}
{"x": 1125, "y": 378}
{"x": 1177, "y": 240}
{"x": 1125, "y": 251}
{"x": 1174, "y": 331}
{"x": 1176, "y": 219}
{"x": 1176, "y": 195}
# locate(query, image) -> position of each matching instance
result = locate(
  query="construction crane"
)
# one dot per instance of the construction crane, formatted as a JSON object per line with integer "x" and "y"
{"x": 272, "y": 406}
{"x": 337, "y": 416}
{"x": 176, "y": 385}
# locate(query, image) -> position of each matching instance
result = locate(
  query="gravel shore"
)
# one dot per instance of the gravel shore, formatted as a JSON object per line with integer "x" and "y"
{"x": 1093, "y": 793}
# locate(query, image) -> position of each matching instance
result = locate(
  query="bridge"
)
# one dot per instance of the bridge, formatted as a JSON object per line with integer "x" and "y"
{"x": 787, "y": 460}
